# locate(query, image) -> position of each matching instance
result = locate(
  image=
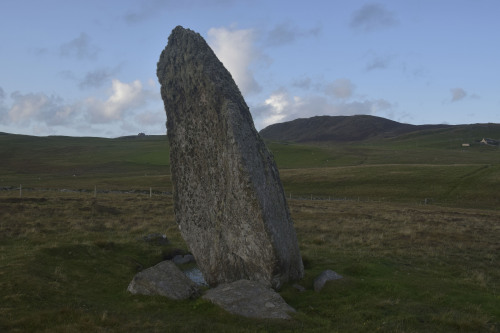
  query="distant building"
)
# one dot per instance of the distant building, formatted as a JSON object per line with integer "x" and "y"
{"x": 465, "y": 144}
{"x": 141, "y": 134}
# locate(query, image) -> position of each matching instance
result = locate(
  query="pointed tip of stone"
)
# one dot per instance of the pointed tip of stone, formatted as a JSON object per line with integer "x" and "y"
{"x": 180, "y": 30}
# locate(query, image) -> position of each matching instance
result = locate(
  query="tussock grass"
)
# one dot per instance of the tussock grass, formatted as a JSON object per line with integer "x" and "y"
{"x": 67, "y": 258}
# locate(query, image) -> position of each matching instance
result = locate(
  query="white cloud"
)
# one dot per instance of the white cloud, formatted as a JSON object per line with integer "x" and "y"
{"x": 372, "y": 16}
{"x": 97, "y": 78}
{"x": 281, "y": 107}
{"x": 38, "y": 108}
{"x": 287, "y": 32}
{"x": 276, "y": 105}
{"x": 302, "y": 83}
{"x": 236, "y": 50}
{"x": 80, "y": 48}
{"x": 378, "y": 62}
{"x": 124, "y": 97}
{"x": 25, "y": 107}
{"x": 123, "y": 108}
{"x": 150, "y": 118}
{"x": 341, "y": 88}
{"x": 457, "y": 94}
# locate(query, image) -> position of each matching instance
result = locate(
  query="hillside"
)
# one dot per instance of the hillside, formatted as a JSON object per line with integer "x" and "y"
{"x": 364, "y": 127}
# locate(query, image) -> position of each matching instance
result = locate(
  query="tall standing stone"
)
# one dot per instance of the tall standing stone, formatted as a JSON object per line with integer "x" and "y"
{"x": 228, "y": 199}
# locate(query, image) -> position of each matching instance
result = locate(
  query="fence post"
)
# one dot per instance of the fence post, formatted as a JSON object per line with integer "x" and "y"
{"x": 150, "y": 192}
{"x": 95, "y": 191}
{"x": 20, "y": 191}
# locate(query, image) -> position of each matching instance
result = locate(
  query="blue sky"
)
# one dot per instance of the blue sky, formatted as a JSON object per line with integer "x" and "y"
{"x": 88, "y": 68}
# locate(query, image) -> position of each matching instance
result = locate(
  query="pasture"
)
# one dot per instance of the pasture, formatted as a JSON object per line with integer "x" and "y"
{"x": 409, "y": 264}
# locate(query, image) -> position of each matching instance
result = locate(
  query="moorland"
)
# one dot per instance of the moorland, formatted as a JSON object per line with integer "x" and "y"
{"x": 412, "y": 222}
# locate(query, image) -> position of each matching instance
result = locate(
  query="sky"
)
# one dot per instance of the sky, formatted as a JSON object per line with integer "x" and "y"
{"x": 88, "y": 68}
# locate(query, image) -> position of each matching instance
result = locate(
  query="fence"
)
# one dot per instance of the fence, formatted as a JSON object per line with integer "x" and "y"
{"x": 93, "y": 192}
{"x": 151, "y": 191}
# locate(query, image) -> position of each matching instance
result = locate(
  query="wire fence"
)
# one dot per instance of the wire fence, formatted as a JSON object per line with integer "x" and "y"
{"x": 21, "y": 191}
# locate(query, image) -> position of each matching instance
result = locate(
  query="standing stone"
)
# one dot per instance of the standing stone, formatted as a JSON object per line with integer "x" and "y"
{"x": 228, "y": 198}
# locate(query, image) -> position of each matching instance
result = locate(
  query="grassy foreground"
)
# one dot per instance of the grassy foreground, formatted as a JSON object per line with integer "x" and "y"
{"x": 67, "y": 258}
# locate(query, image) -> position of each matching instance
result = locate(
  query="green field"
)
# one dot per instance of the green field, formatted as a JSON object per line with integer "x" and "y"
{"x": 434, "y": 171}
{"x": 412, "y": 224}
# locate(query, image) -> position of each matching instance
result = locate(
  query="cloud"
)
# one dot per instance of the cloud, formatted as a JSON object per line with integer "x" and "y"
{"x": 341, "y": 88}
{"x": 79, "y": 48}
{"x": 285, "y": 33}
{"x": 40, "y": 51}
{"x": 150, "y": 8}
{"x": 150, "y": 118}
{"x": 124, "y": 97}
{"x": 457, "y": 94}
{"x": 97, "y": 78}
{"x": 92, "y": 79}
{"x": 303, "y": 83}
{"x": 377, "y": 62}
{"x": 281, "y": 107}
{"x": 3, "y": 108}
{"x": 237, "y": 51}
{"x": 125, "y": 106}
{"x": 37, "y": 108}
{"x": 372, "y": 16}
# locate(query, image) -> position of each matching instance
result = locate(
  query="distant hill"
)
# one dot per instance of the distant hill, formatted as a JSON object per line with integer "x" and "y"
{"x": 342, "y": 129}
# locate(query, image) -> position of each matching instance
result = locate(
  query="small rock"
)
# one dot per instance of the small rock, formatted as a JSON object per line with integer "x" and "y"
{"x": 195, "y": 275}
{"x": 299, "y": 287}
{"x": 164, "y": 279}
{"x": 249, "y": 299}
{"x": 324, "y": 277}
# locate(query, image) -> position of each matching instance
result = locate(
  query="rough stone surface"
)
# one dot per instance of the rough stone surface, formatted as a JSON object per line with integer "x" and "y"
{"x": 164, "y": 279}
{"x": 228, "y": 198}
{"x": 249, "y": 299}
{"x": 324, "y": 277}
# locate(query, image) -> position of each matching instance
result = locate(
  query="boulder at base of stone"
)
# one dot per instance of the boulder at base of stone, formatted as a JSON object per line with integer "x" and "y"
{"x": 164, "y": 279}
{"x": 249, "y": 299}
{"x": 324, "y": 277}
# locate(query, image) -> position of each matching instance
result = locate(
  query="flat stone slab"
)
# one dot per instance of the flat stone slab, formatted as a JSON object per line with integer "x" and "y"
{"x": 164, "y": 279}
{"x": 249, "y": 299}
